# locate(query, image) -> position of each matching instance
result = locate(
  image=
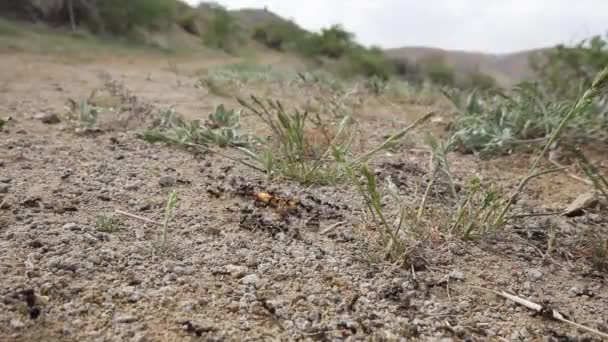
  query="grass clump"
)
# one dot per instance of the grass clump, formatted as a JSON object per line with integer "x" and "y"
{"x": 290, "y": 153}
{"x": 83, "y": 112}
{"x": 162, "y": 243}
{"x": 3, "y": 123}
{"x": 392, "y": 227}
{"x": 222, "y": 129}
{"x": 107, "y": 224}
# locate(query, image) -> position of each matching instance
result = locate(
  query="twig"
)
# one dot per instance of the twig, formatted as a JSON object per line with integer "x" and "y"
{"x": 133, "y": 216}
{"x": 551, "y": 313}
{"x": 555, "y": 213}
{"x": 571, "y": 175}
{"x": 332, "y": 227}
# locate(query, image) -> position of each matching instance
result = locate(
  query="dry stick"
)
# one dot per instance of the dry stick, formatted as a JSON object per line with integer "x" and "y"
{"x": 332, "y": 227}
{"x": 571, "y": 175}
{"x": 540, "y": 309}
{"x": 554, "y": 213}
{"x": 133, "y": 216}
{"x": 363, "y": 158}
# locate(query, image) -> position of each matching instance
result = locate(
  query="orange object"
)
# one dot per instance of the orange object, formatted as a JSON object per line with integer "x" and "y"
{"x": 274, "y": 201}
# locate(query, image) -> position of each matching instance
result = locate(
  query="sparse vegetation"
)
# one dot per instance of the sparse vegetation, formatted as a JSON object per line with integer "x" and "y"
{"x": 304, "y": 170}
{"x": 119, "y": 17}
{"x": 222, "y": 30}
{"x": 438, "y": 72}
{"x": 107, "y": 224}
{"x": 599, "y": 85}
{"x": 221, "y": 129}
{"x": 83, "y": 112}
{"x": 394, "y": 229}
{"x": 290, "y": 152}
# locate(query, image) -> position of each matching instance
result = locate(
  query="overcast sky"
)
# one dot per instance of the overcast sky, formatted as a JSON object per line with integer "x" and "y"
{"x": 478, "y": 25}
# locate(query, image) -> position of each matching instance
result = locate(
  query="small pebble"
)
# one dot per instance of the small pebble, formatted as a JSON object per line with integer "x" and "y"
{"x": 71, "y": 226}
{"x": 125, "y": 318}
{"x": 534, "y": 274}
{"x": 251, "y": 279}
{"x": 167, "y": 181}
{"x": 457, "y": 275}
{"x": 48, "y": 118}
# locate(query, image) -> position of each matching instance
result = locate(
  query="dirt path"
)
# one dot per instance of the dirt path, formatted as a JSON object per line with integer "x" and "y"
{"x": 232, "y": 273}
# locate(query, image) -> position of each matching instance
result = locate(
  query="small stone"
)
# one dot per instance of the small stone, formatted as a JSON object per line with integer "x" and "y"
{"x": 4, "y": 188}
{"x": 234, "y": 306}
{"x": 71, "y": 226}
{"x": 125, "y": 318}
{"x": 236, "y": 270}
{"x": 167, "y": 181}
{"x": 134, "y": 297}
{"x": 583, "y": 202}
{"x": 6, "y": 203}
{"x": 251, "y": 279}
{"x": 17, "y": 323}
{"x": 47, "y": 118}
{"x": 520, "y": 335}
{"x": 301, "y": 323}
{"x": 534, "y": 274}
{"x": 197, "y": 327}
{"x": 184, "y": 271}
{"x": 457, "y": 275}
{"x": 132, "y": 186}
{"x": 186, "y": 306}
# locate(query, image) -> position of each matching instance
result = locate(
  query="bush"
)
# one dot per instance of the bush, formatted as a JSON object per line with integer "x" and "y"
{"x": 188, "y": 23}
{"x": 480, "y": 80}
{"x": 221, "y": 31}
{"x": 335, "y": 41}
{"x": 567, "y": 71}
{"x": 119, "y": 17}
{"x": 279, "y": 35}
{"x": 407, "y": 70}
{"x": 440, "y": 73}
{"x": 368, "y": 63}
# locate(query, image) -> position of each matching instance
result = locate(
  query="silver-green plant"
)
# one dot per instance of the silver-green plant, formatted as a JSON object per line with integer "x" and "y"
{"x": 83, "y": 111}
{"x": 222, "y": 130}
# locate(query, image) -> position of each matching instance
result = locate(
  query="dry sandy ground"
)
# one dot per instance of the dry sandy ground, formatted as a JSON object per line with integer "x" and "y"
{"x": 235, "y": 271}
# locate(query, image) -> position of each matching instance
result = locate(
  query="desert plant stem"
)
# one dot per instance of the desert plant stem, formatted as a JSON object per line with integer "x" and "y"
{"x": 363, "y": 158}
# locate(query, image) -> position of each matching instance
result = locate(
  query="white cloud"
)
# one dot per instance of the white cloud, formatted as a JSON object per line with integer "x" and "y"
{"x": 479, "y": 25}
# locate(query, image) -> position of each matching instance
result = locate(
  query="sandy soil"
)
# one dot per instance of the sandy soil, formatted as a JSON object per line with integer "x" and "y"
{"x": 236, "y": 271}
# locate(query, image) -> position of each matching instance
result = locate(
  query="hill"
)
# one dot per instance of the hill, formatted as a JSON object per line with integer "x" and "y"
{"x": 506, "y": 68}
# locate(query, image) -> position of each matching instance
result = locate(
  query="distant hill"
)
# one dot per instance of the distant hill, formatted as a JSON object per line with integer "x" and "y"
{"x": 186, "y": 27}
{"x": 250, "y": 17}
{"x": 506, "y": 68}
